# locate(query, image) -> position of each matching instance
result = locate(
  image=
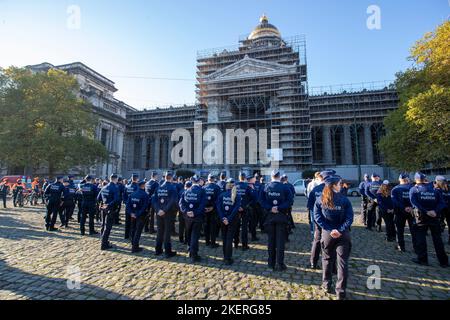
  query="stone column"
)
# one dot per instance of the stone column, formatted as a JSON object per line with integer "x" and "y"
{"x": 368, "y": 144}
{"x": 156, "y": 151}
{"x": 169, "y": 151}
{"x": 144, "y": 153}
{"x": 326, "y": 144}
{"x": 348, "y": 159}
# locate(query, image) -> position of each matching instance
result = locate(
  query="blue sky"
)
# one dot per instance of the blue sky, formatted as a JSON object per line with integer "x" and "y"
{"x": 156, "y": 38}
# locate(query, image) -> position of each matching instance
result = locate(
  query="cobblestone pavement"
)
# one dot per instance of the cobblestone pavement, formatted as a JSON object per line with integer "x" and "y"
{"x": 35, "y": 264}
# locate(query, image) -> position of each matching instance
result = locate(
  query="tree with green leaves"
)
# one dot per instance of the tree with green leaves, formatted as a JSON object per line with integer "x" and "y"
{"x": 44, "y": 124}
{"x": 418, "y": 132}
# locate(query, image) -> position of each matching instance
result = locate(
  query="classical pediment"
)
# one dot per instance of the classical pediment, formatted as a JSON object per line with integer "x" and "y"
{"x": 250, "y": 68}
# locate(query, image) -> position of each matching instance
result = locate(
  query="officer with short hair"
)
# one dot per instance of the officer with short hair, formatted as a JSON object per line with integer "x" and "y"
{"x": 373, "y": 214}
{"x": 89, "y": 192}
{"x": 121, "y": 188}
{"x": 109, "y": 196}
{"x": 164, "y": 203}
{"x": 129, "y": 189}
{"x": 150, "y": 188}
{"x": 212, "y": 191}
{"x": 276, "y": 199}
{"x": 138, "y": 204}
{"x": 291, "y": 224}
{"x": 403, "y": 211}
{"x": 68, "y": 204}
{"x": 252, "y": 207}
{"x": 54, "y": 194}
{"x": 222, "y": 180}
{"x": 364, "y": 200}
{"x": 245, "y": 193}
{"x": 427, "y": 203}
{"x": 192, "y": 205}
{"x": 228, "y": 204}
{"x": 442, "y": 186}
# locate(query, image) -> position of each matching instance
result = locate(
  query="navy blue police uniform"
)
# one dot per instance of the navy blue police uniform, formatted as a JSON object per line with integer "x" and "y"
{"x": 373, "y": 214}
{"x": 68, "y": 205}
{"x": 245, "y": 193}
{"x": 89, "y": 192}
{"x": 53, "y": 192}
{"x": 386, "y": 209}
{"x": 150, "y": 187}
{"x": 138, "y": 204}
{"x": 212, "y": 191}
{"x": 129, "y": 189}
{"x": 109, "y": 196}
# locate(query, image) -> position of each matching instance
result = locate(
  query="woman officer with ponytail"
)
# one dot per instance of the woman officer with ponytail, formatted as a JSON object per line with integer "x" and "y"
{"x": 333, "y": 212}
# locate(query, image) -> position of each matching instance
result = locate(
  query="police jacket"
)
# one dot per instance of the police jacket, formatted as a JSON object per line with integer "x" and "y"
{"x": 315, "y": 193}
{"x": 165, "y": 198}
{"x": 340, "y": 218}
{"x": 129, "y": 189}
{"x": 400, "y": 196}
{"x": 362, "y": 187}
{"x": 445, "y": 197}
{"x": 89, "y": 193}
{"x": 372, "y": 189}
{"x": 276, "y": 194}
{"x": 69, "y": 195}
{"x": 212, "y": 191}
{"x": 193, "y": 199}
{"x": 151, "y": 186}
{"x": 121, "y": 188}
{"x": 138, "y": 203}
{"x": 226, "y": 208}
{"x": 385, "y": 203}
{"x": 425, "y": 198}
{"x": 222, "y": 184}
{"x": 109, "y": 195}
{"x": 54, "y": 192}
{"x": 245, "y": 192}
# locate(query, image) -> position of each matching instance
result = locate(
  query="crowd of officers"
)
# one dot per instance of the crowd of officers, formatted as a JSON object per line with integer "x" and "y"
{"x": 236, "y": 209}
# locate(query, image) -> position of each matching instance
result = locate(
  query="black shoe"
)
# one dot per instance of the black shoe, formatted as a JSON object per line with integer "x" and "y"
{"x": 207, "y": 244}
{"x": 93, "y": 233}
{"x": 245, "y": 248}
{"x": 255, "y": 239}
{"x": 170, "y": 254}
{"x": 152, "y": 231}
{"x": 214, "y": 246}
{"x": 158, "y": 253}
{"x": 52, "y": 229}
{"x": 181, "y": 240}
{"x": 271, "y": 267}
{"x": 444, "y": 265}
{"x": 401, "y": 249}
{"x": 340, "y": 296}
{"x": 236, "y": 245}
{"x": 422, "y": 263}
{"x": 195, "y": 259}
{"x": 136, "y": 250}
{"x": 281, "y": 267}
{"x": 313, "y": 266}
{"x": 107, "y": 247}
{"x": 228, "y": 262}
{"x": 326, "y": 289}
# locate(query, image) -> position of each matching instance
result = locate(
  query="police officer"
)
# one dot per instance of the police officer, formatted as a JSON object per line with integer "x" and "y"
{"x": 252, "y": 207}
{"x": 333, "y": 212}
{"x": 276, "y": 199}
{"x": 386, "y": 209}
{"x": 212, "y": 191}
{"x": 89, "y": 192}
{"x": 150, "y": 188}
{"x": 442, "y": 186}
{"x": 68, "y": 204}
{"x": 44, "y": 186}
{"x": 164, "y": 203}
{"x": 291, "y": 224}
{"x": 138, "y": 204}
{"x": 364, "y": 199}
{"x": 121, "y": 188}
{"x": 222, "y": 180}
{"x": 245, "y": 193}
{"x": 129, "y": 189}
{"x": 373, "y": 214}
{"x": 315, "y": 194}
{"x": 181, "y": 222}
{"x": 109, "y": 196}
{"x": 4, "y": 191}
{"x": 227, "y": 205}
{"x": 79, "y": 200}
{"x": 53, "y": 193}
{"x": 192, "y": 205}
{"x": 427, "y": 203}
{"x": 403, "y": 211}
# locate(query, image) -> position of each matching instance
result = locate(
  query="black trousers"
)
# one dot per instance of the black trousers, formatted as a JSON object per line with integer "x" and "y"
{"x": 164, "y": 231}
{"x": 316, "y": 246}
{"x": 372, "y": 214}
{"x": 137, "y": 225}
{"x": 421, "y": 242}
{"x": 243, "y": 227}
{"x": 107, "y": 223}
{"x": 87, "y": 211}
{"x": 254, "y": 220}
{"x": 15, "y": 198}
{"x": 150, "y": 225}
{"x": 210, "y": 227}
{"x": 389, "y": 222}
{"x": 276, "y": 228}
{"x": 3, "y": 198}
{"x": 193, "y": 227}
{"x": 80, "y": 209}
{"x": 335, "y": 251}
{"x": 52, "y": 213}
{"x": 181, "y": 227}
{"x": 65, "y": 213}
{"x": 400, "y": 219}
{"x": 364, "y": 203}
{"x": 291, "y": 219}
{"x": 127, "y": 224}
{"x": 227, "y": 238}
{"x": 445, "y": 216}
{"x": 117, "y": 213}
{"x": 259, "y": 213}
